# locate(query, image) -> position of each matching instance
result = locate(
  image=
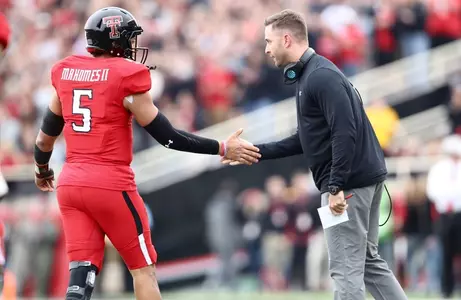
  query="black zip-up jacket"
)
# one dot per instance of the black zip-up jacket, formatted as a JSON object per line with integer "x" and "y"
{"x": 334, "y": 133}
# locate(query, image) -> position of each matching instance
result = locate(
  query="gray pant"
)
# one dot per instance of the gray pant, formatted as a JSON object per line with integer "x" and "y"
{"x": 353, "y": 250}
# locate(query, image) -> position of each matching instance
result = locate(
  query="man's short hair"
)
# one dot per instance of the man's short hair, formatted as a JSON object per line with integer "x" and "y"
{"x": 289, "y": 20}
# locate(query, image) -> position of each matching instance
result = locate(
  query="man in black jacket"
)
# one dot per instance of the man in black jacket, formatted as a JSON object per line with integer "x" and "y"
{"x": 343, "y": 153}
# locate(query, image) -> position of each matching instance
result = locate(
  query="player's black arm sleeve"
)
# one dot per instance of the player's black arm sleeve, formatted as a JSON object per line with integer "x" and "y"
{"x": 52, "y": 126}
{"x": 331, "y": 93}
{"x": 287, "y": 147}
{"x": 168, "y": 136}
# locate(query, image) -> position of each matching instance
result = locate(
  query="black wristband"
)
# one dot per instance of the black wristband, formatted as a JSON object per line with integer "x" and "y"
{"x": 44, "y": 172}
{"x": 41, "y": 157}
{"x": 162, "y": 130}
{"x": 52, "y": 124}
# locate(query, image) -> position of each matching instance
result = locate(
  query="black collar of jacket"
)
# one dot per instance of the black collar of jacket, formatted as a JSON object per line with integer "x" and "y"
{"x": 293, "y": 71}
{"x": 307, "y": 55}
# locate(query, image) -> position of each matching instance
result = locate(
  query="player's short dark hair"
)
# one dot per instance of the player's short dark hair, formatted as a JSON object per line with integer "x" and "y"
{"x": 289, "y": 20}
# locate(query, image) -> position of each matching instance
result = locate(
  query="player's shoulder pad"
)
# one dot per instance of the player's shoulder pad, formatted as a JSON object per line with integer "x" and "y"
{"x": 130, "y": 67}
{"x": 136, "y": 77}
{"x": 5, "y": 31}
{"x": 56, "y": 69}
{"x": 59, "y": 64}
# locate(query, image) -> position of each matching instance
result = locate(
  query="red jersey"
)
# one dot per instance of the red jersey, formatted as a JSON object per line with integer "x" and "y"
{"x": 4, "y": 31}
{"x": 97, "y": 128}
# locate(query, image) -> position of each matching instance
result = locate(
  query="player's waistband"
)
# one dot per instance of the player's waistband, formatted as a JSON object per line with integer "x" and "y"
{"x": 112, "y": 177}
{"x": 110, "y": 187}
{"x": 124, "y": 170}
{"x": 98, "y": 163}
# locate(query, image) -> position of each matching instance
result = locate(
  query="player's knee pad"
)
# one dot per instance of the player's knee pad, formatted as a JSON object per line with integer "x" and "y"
{"x": 81, "y": 282}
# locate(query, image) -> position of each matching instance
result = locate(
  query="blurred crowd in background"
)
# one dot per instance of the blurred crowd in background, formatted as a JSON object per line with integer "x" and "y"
{"x": 280, "y": 229}
{"x": 209, "y": 53}
{"x": 211, "y": 67}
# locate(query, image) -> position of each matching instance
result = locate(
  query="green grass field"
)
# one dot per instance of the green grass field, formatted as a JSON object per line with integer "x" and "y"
{"x": 265, "y": 296}
{"x": 194, "y": 295}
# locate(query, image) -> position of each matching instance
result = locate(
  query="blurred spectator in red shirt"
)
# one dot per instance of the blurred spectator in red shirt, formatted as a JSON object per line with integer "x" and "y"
{"x": 384, "y": 42}
{"x": 352, "y": 43}
{"x": 345, "y": 41}
{"x": 444, "y": 21}
{"x": 4, "y": 32}
{"x": 215, "y": 89}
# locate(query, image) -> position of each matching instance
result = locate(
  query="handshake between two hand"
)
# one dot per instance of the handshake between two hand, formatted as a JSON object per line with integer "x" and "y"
{"x": 239, "y": 151}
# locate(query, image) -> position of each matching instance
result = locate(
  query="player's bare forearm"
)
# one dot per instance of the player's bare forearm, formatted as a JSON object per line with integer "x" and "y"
{"x": 51, "y": 127}
{"x": 44, "y": 175}
{"x": 45, "y": 142}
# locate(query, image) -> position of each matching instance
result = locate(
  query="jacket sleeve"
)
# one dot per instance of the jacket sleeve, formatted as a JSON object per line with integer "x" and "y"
{"x": 287, "y": 147}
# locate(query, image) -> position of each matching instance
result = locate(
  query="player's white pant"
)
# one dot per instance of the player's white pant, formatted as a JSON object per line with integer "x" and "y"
{"x": 3, "y": 186}
{"x": 3, "y": 192}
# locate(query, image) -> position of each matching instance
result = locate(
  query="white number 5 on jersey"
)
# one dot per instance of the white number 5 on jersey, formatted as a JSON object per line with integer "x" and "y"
{"x": 85, "y": 112}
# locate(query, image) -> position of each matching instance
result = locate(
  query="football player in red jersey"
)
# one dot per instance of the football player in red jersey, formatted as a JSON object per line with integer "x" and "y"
{"x": 4, "y": 34}
{"x": 4, "y": 40}
{"x": 96, "y": 98}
